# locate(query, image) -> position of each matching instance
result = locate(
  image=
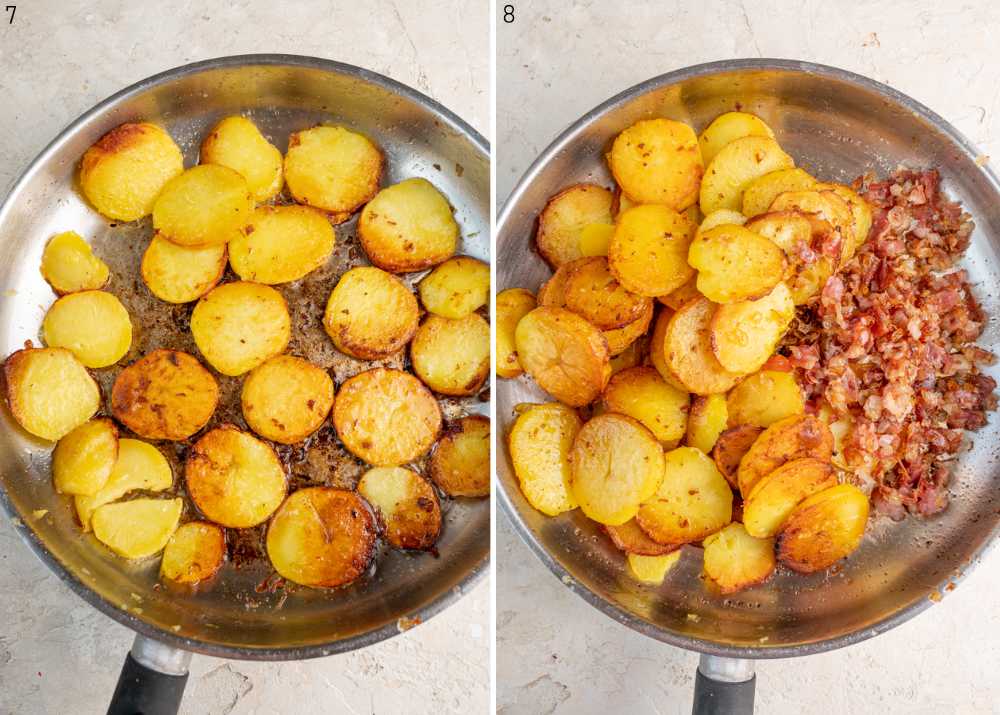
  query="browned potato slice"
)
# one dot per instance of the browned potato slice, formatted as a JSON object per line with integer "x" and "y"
{"x": 616, "y": 464}
{"x": 552, "y": 294}
{"x": 139, "y": 466}
{"x": 386, "y": 417}
{"x": 194, "y": 553}
{"x": 322, "y": 537}
{"x": 693, "y": 500}
{"x": 631, "y": 356}
{"x": 236, "y": 142}
{"x": 860, "y": 210}
{"x": 745, "y": 334}
{"x": 762, "y": 191}
{"x": 49, "y": 392}
{"x": 68, "y": 265}
{"x": 407, "y": 503}
{"x": 512, "y": 305}
{"x": 765, "y": 398}
{"x": 566, "y": 355}
{"x": 735, "y": 264}
{"x": 706, "y": 422}
{"x": 83, "y": 460}
{"x": 593, "y": 291}
{"x": 727, "y": 128}
{"x": 285, "y": 399}
{"x": 632, "y": 540}
{"x": 800, "y": 236}
{"x": 332, "y": 169}
{"x": 657, "y": 161}
{"x": 452, "y": 357}
{"x": 733, "y": 169}
{"x": 282, "y": 244}
{"x": 794, "y": 437}
{"x": 652, "y": 569}
{"x": 457, "y": 287}
{"x": 776, "y": 494}
{"x": 207, "y": 205}
{"x": 138, "y": 528}
{"x": 564, "y": 218}
{"x": 233, "y": 478}
{"x": 642, "y": 394}
{"x": 687, "y": 350}
{"x": 371, "y": 314}
{"x": 656, "y": 355}
{"x": 676, "y": 298}
{"x": 408, "y": 227}
{"x": 460, "y": 465}
{"x": 595, "y": 239}
{"x": 178, "y": 274}
{"x": 648, "y": 253}
{"x": 721, "y": 217}
{"x": 823, "y": 529}
{"x": 122, "y": 174}
{"x": 620, "y": 339}
{"x": 92, "y": 324}
{"x": 730, "y": 447}
{"x": 621, "y": 202}
{"x": 827, "y": 206}
{"x": 735, "y": 560}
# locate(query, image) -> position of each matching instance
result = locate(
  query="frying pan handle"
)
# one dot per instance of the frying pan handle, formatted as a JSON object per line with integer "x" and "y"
{"x": 724, "y": 686}
{"x": 152, "y": 680}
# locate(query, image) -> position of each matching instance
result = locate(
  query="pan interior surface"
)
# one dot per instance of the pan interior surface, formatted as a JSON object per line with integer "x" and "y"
{"x": 837, "y": 126}
{"x": 243, "y": 612}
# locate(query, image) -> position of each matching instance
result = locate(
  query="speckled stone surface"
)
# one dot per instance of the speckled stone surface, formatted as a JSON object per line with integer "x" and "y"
{"x": 556, "y": 654}
{"x": 58, "y": 655}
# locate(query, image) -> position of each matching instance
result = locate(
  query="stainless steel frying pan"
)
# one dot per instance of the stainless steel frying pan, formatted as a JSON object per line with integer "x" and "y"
{"x": 837, "y": 125}
{"x": 241, "y": 615}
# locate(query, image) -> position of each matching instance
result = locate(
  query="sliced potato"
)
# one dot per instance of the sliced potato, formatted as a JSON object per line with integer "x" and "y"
{"x": 827, "y": 206}
{"x": 164, "y": 395}
{"x": 138, "y": 528}
{"x": 194, "y": 553}
{"x": 236, "y": 142}
{"x": 565, "y": 216}
{"x": 371, "y": 314}
{"x": 592, "y": 291}
{"x": 207, "y": 205}
{"x": 595, "y": 239}
{"x": 823, "y": 529}
{"x": 452, "y": 357}
{"x": 631, "y": 356}
{"x": 92, "y": 324}
{"x": 332, "y": 169}
{"x": 648, "y": 253}
{"x": 735, "y": 264}
{"x": 282, "y": 244}
{"x": 407, "y": 503}
{"x": 632, "y": 540}
{"x": 706, "y": 421}
{"x": 49, "y": 392}
{"x": 721, "y": 217}
{"x": 642, "y": 394}
{"x": 616, "y": 464}
{"x": 861, "y": 210}
{"x": 386, "y": 417}
{"x": 408, "y": 227}
{"x": 285, "y": 399}
{"x": 676, "y": 298}
{"x": 776, "y": 494}
{"x": 83, "y": 460}
{"x": 621, "y": 202}
{"x": 686, "y": 346}
{"x": 457, "y": 287}
{"x": 735, "y": 560}
{"x": 552, "y": 293}
{"x": 745, "y": 334}
{"x": 178, "y": 274}
{"x": 68, "y": 265}
{"x": 512, "y": 305}
{"x": 727, "y": 128}
{"x": 621, "y": 338}
{"x": 139, "y": 466}
{"x": 693, "y": 500}
{"x": 765, "y": 398}
{"x": 762, "y": 191}
{"x": 657, "y": 161}
{"x": 234, "y": 478}
{"x": 799, "y": 235}
{"x": 652, "y": 569}
{"x": 736, "y": 165}
{"x": 792, "y": 438}
{"x": 460, "y": 465}
{"x": 730, "y": 447}
{"x": 122, "y": 174}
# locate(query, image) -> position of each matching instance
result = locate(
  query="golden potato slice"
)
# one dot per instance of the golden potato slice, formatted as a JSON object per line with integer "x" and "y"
{"x": 386, "y": 417}
{"x": 823, "y": 529}
{"x": 730, "y": 447}
{"x": 693, "y": 500}
{"x": 566, "y": 355}
{"x": 178, "y": 274}
{"x": 706, "y": 421}
{"x": 657, "y": 161}
{"x": 860, "y": 210}
{"x": 648, "y": 253}
{"x": 735, "y": 264}
{"x": 799, "y": 235}
{"x": 721, "y": 217}
{"x": 332, "y": 169}
{"x": 371, "y": 314}
{"x": 762, "y": 191}
{"x": 686, "y": 348}
{"x": 138, "y": 528}
{"x": 512, "y": 305}
{"x": 631, "y": 356}
{"x": 139, "y": 466}
{"x": 776, "y": 494}
{"x": 629, "y": 538}
{"x": 207, "y": 205}
{"x": 83, "y": 460}
{"x": 49, "y": 392}
{"x": 616, "y": 464}
{"x": 792, "y": 438}
{"x": 562, "y": 221}
{"x": 68, "y": 265}
{"x": 452, "y": 357}
{"x": 765, "y": 398}
{"x": 735, "y": 166}
{"x": 552, "y": 293}
{"x": 652, "y": 569}
{"x": 123, "y": 173}
{"x": 621, "y": 203}
{"x": 594, "y": 292}
{"x": 676, "y": 298}
{"x": 237, "y": 326}
{"x": 827, "y": 206}
{"x": 234, "y": 478}
{"x": 282, "y": 244}
{"x": 408, "y": 227}
{"x": 642, "y": 394}
{"x": 595, "y": 239}
{"x": 194, "y": 553}
{"x": 735, "y": 560}
{"x": 457, "y": 287}
{"x": 407, "y": 503}
{"x": 322, "y": 537}
{"x": 745, "y": 334}
{"x": 236, "y": 142}
{"x": 285, "y": 399}
{"x": 693, "y": 214}
{"x": 727, "y": 128}
{"x": 460, "y": 465}
{"x": 92, "y": 324}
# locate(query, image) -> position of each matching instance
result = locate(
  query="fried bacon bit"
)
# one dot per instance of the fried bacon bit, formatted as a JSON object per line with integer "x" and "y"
{"x": 890, "y": 346}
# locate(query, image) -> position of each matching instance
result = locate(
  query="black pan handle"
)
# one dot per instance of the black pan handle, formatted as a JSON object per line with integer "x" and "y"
{"x": 152, "y": 680}
{"x": 724, "y": 686}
